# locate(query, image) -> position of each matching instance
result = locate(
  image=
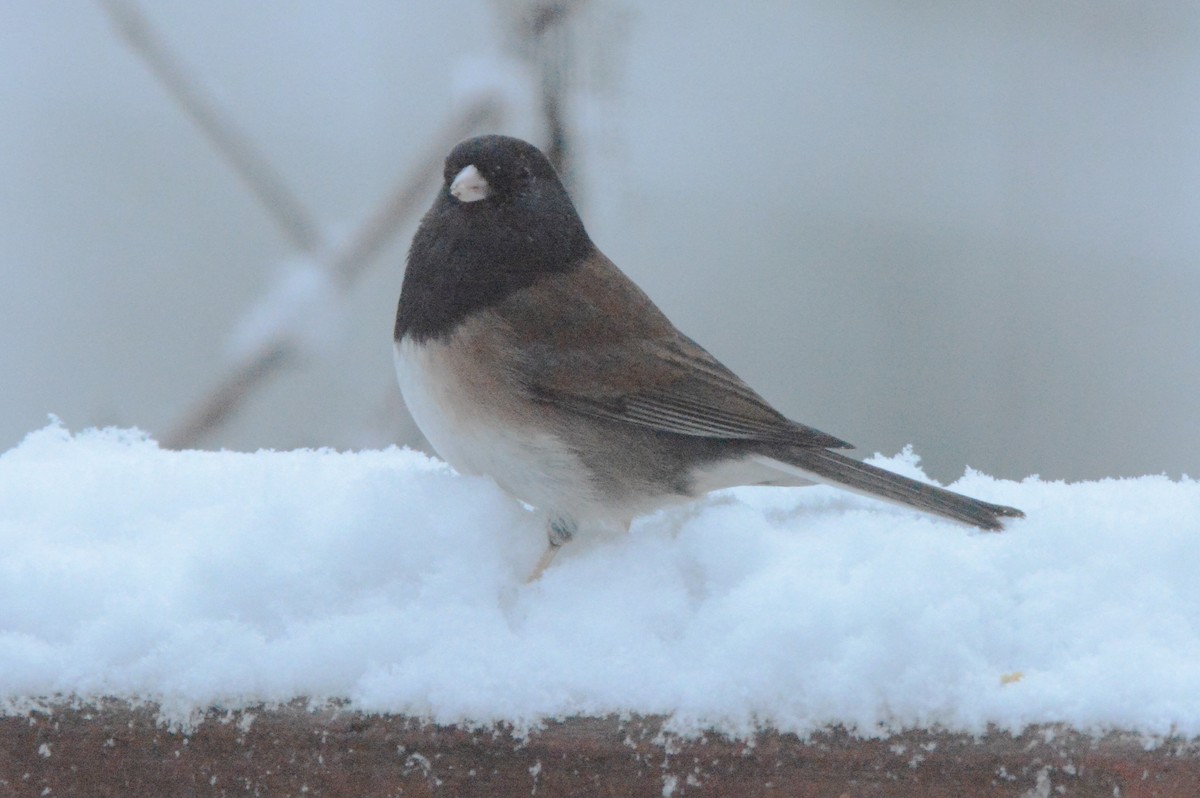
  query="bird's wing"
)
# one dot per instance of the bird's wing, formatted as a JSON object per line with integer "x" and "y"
{"x": 606, "y": 351}
{"x": 693, "y": 395}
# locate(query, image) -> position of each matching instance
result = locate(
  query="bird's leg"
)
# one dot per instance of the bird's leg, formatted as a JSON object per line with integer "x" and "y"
{"x": 558, "y": 532}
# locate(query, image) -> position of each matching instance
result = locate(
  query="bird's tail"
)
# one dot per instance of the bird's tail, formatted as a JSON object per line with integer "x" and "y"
{"x": 823, "y": 465}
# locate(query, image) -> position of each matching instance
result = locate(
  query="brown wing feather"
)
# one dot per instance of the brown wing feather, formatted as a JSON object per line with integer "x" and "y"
{"x": 593, "y": 343}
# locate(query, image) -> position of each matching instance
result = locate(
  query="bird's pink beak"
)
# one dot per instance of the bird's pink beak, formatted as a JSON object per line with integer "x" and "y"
{"x": 469, "y": 186}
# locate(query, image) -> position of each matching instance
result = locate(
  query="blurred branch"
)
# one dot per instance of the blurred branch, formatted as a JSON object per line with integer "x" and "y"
{"x": 548, "y": 29}
{"x": 542, "y": 33}
{"x": 229, "y": 394}
{"x": 249, "y": 164}
{"x": 346, "y": 264}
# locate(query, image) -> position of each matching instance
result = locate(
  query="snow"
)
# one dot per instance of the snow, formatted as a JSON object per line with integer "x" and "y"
{"x": 383, "y": 578}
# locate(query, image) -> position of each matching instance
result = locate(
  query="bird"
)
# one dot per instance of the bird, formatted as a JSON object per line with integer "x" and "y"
{"x": 526, "y": 355}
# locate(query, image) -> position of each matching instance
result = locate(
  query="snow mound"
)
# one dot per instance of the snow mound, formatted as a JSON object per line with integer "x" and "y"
{"x": 382, "y": 577}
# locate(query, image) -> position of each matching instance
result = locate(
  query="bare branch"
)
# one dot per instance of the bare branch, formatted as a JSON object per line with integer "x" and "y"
{"x": 550, "y": 34}
{"x": 346, "y": 265}
{"x": 230, "y": 142}
{"x": 229, "y": 394}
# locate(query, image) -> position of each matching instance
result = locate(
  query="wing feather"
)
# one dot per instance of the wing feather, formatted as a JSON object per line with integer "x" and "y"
{"x": 604, "y": 350}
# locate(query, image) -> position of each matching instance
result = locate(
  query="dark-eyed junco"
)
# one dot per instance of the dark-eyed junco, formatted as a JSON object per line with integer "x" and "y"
{"x": 523, "y": 353}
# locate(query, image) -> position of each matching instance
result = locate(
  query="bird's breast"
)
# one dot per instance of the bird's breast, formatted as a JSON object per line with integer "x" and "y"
{"x": 477, "y": 419}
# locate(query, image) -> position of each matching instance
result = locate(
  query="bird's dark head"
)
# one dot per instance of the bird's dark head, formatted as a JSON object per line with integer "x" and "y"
{"x": 501, "y": 221}
{"x": 501, "y": 170}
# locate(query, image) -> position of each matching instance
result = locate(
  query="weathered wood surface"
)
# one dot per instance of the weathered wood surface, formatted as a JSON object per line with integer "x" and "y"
{"x": 117, "y": 750}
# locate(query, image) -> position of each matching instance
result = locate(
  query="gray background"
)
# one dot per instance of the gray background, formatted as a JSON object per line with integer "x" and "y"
{"x": 970, "y": 227}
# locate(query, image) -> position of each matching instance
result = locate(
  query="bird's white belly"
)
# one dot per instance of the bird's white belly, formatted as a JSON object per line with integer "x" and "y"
{"x": 465, "y": 417}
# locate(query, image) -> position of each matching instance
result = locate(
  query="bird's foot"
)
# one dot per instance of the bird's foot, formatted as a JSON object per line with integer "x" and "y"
{"x": 559, "y": 531}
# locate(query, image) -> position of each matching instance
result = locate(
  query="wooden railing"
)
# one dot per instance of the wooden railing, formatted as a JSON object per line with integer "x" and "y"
{"x": 119, "y": 749}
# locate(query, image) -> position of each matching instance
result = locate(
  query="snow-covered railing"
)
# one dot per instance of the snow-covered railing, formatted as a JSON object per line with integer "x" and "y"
{"x": 174, "y": 582}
